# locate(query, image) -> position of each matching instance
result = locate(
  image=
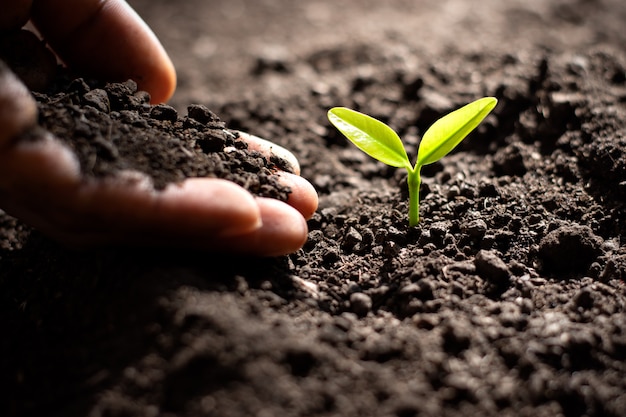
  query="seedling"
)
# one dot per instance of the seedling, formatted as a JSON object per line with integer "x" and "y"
{"x": 380, "y": 141}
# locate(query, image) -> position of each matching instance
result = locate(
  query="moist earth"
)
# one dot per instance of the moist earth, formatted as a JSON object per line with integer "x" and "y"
{"x": 508, "y": 299}
{"x": 112, "y": 129}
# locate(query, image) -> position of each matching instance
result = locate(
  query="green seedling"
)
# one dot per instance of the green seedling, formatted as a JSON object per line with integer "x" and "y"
{"x": 381, "y": 142}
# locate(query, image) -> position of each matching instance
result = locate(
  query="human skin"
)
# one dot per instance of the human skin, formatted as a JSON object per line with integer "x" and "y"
{"x": 40, "y": 180}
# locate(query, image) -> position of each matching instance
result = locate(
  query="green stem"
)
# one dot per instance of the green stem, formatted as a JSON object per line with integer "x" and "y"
{"x": 414, "y": 180}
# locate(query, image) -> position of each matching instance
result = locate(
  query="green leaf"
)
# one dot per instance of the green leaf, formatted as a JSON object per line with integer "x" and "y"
{"x": 446, "y": 133}
{"x": 371, "y": 136}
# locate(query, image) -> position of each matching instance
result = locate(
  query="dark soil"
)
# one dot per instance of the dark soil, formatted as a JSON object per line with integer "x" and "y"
{"x": 112, "y": 128}
{"x": 508, "y": 300}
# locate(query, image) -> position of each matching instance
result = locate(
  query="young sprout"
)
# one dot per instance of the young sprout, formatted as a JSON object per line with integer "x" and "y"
{"x": 380, "y": 141}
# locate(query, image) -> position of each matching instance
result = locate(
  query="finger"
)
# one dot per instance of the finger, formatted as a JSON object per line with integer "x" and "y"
{"x": 303, "y": 196}
{"x": 202, "y": 208}
{"x": 196, "y": 213}
{"x": 209, "y": 205}
{"x": 186, "y": 217}
{"x": 106, "y": 39}
{"x": 270, "y": 150}
{"x": 14, "y": 13}
{"x": 134, "y": 221}
{"x": 284, "y": 231}
{"x": 281, "y": 230}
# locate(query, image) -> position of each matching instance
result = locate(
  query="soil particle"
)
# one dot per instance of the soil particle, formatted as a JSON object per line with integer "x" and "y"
{"x": 475, "y": 228}
{"x": 491, "y": 267}
{"x": 360, "y": 303}
{"x": 569, "y": 248}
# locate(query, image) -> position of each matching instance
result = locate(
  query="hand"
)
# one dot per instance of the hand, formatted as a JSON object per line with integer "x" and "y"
{"x": 40, "y": 180}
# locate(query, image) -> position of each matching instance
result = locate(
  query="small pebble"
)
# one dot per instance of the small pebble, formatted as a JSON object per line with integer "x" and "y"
{"x": 491, "y": 267}
{"x": 164, "y": 112}
{"x": 201, "y": 114}
{"x": 475, "y": 228}
{"x": 98, "y": 99}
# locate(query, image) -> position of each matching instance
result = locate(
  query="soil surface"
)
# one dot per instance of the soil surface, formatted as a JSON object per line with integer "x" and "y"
{"x": 509, "y": 298}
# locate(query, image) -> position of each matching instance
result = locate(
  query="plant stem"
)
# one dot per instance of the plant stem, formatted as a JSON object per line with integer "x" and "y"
{"x": 414, "y": 180}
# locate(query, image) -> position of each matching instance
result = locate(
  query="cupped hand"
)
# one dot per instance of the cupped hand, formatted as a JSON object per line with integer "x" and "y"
{"x": 40, "y": 179}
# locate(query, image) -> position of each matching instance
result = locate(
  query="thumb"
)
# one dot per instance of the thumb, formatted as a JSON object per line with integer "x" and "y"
{"x": 106, "y": 39}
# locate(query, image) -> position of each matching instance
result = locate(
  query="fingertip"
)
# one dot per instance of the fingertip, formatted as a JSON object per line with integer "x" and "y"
{"x": 161, "y": 83}
{"x": 284, "y": 229}
{"x": 303, "y": 196}
{"x": 135, "y": 50}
